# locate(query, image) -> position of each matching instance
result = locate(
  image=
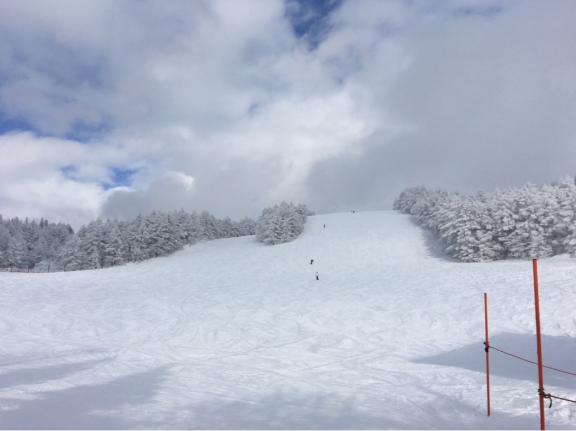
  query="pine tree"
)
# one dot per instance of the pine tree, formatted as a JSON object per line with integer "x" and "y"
{"x": 69, "y": 257}
{"x": 280, "y": 223}
{"x": 17, "y": 252}
{"x": 115, "y": 251}
{"x": 4, "y": 245}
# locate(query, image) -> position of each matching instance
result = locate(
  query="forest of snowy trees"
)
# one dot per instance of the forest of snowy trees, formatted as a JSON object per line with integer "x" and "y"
{"x": 45, "y": 247}
{"x": 526, "y": 222}
{"x": 42, "y": 246}
{"x": 101, "y": 244}
{"x": 24, "y": 244}
{"x": 281, "y": 223}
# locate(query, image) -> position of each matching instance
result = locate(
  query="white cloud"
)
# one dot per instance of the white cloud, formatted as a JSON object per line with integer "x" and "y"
{"x": 56, "y": 178}
{"x": 34, "y": 184}
{"x": 170, "y": 191}
{"x": 217, "y": 104}
{"x": 490, "y": 101}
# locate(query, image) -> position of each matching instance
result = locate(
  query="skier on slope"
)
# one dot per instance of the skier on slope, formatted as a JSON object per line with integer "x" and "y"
{"x": 311, "y": 261}
{"x": 317, "y": 278}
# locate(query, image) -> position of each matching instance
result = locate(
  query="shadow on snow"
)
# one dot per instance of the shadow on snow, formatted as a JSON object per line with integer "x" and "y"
{"x": 44, "y": 374}
{"x": 79, "y": 407}
{"x": 558, "y": 352}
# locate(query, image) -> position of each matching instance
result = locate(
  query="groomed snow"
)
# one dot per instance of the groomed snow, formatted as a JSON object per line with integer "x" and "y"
{"x": 235, "y": 334}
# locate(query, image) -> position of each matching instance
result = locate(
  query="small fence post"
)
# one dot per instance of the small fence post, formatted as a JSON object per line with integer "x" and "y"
{"x": 487, "y": 350}
{"x": 539, "y": 344}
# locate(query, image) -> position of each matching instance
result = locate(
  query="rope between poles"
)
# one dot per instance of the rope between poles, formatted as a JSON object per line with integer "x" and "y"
{"x": 549, "y": 396}
{"x": 531, "y": 362}
{"x": 541, "y": 392}
{"x": 563, "y": 399}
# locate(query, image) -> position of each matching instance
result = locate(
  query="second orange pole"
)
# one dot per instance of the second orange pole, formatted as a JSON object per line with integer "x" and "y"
{"x": 487, "y": 350}
{"x": 539, "y": 344}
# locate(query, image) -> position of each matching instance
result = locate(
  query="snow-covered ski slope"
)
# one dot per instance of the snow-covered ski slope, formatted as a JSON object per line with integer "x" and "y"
{"x": 234, "y": 334}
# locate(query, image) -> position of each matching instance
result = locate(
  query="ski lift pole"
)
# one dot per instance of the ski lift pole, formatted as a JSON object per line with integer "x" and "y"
{"x": 487, "y": 350}
{"x": 541, "y": 392}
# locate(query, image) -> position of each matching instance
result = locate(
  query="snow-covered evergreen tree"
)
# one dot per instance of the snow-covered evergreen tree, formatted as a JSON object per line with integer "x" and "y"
{"x": 281, "y": 223}
{"x": 4, "y": 245}
{"x": 17, "y": 251}
{"x": 115, "y": 251}
{"x": 69, "y": 258}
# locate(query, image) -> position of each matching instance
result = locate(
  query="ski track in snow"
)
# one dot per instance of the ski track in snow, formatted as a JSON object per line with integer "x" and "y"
{"x": 234, "y": 334}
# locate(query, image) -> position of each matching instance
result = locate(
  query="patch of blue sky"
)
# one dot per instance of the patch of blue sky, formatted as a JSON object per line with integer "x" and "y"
{"x": 12, "y": 125}
{"x": 79, "y": 131}
{"x": 310, "y": 19}
{"x": 120, "y": 176}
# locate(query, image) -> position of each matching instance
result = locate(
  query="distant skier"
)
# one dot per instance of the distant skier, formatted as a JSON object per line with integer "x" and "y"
{"x": 317, "y": 278}
{"x": 311, "y": 261}
{"x": 324, "y": 226}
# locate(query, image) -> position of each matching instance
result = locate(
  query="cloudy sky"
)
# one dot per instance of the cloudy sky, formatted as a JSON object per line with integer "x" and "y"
{"x": 113, "y": 107}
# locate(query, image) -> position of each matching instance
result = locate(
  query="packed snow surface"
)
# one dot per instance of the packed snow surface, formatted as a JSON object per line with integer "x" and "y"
{"x": 235, "y": 334}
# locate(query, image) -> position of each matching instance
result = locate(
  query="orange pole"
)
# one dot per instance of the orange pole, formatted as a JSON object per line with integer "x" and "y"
{"x": 539, "y": 344}
{"x": 487, "y": 350}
